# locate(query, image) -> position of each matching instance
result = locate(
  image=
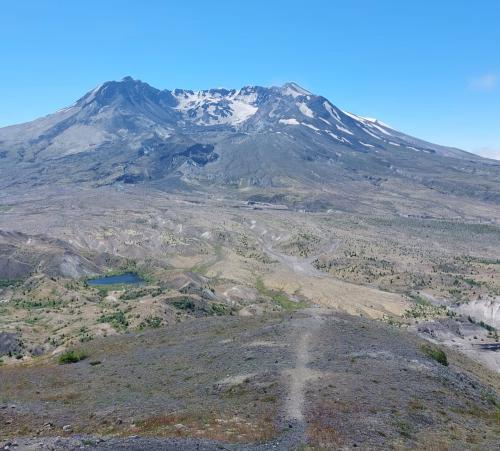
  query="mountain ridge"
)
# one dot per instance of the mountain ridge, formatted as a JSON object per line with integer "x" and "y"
{"x": 278, "y": 137}
{"x": 139, "y": 93}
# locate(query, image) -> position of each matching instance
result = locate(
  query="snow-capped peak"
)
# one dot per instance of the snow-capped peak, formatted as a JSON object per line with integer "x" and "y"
{"x": 294, "y": 90}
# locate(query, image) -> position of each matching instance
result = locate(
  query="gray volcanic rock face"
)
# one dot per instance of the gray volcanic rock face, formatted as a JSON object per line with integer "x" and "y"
{"x": 22, "y": 255}
{"x": 130, "y": 132}
{"x": 9, "y": 344}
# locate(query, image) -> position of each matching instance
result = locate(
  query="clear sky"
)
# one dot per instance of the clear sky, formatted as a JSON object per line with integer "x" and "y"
{"x": 428, "y": 68}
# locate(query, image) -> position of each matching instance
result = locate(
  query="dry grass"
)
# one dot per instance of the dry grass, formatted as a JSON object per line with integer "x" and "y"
{"x": 321, "y": 436}
{"x": 230, "y": 429}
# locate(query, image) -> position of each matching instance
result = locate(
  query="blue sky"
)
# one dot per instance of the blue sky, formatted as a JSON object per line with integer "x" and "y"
{"x": 428, "y": 68}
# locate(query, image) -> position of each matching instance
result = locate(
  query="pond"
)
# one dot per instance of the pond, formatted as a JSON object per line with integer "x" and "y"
{"x": 128, "y": 278}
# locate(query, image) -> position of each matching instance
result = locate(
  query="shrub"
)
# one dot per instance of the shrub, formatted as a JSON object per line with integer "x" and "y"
{"x": 183, "y": 304}
{"x": 72, "y": 356}
{"x": 10, "y": 283}
{"x": 419, "y": 299}
{"x": 153, "y": 322}
{"x": 219, "y": 309}
{"x": 435, "y": 353}
{"x": 404, "y": 428}
{"x": 424, "y": 311}
{"x": 116, "y": 319}
{"x": 130, "y": 295}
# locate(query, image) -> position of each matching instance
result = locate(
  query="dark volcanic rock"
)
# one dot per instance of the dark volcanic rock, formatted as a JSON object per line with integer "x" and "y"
{"x": 10, "y": 344}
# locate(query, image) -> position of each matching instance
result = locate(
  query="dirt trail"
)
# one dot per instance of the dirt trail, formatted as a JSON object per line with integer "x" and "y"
{"x": 296, "y": 264}
{"x": 307, "y": 329}
{"x": 299, "y": 265}
{"x": 299, "y": 376}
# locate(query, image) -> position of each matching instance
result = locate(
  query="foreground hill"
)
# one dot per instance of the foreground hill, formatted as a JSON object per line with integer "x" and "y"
{"x": 305, "y": 380}
{"x": 283, "y": 139}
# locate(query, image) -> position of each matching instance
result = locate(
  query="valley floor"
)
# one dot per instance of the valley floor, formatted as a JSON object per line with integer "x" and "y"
{"x": 256, "y": 327}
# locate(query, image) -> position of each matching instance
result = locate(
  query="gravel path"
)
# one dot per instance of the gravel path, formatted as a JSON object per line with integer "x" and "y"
{"x": 307, "y": 329}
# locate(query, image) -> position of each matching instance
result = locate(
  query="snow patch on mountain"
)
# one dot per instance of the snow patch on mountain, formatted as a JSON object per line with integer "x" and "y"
{"x": 370, "y": 125}
{"x": 373, "y": 135}
{"x": 291, "y": 121}
{"x": 375, "y": 121}
{"x": 305, "y": 110}
{"x": 332, "y": 111}
{"x": 310, "y": 126}
{"x": 380, "y": 129}
{"x": 294, "y": 90}
{"x": 242, "y": 111}
{"x": 216, "y": 106}
{"x": 333, "y": 135}
{"x": 345, "y": 130}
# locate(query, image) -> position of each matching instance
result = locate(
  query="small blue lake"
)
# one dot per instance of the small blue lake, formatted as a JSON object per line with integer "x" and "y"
{"x": 128, "y": 278}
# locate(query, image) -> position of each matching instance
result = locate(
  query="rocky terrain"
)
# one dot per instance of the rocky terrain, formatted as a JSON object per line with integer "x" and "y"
{"x": 307, "y": 278}
{"x": 313, "y": 378}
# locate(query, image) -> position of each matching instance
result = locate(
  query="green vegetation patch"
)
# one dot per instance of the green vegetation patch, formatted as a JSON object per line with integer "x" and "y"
{"x": 130, "y": 295}
{"x": 484, "y": 261}
{"x": 116, "y": 319}
{"x": 192, "y": 305}
{"x": 84, "y": 334}
{"x": 151, "y": 322}
{"x": 34, "y": 304}
{"x": 32, "y": 320}
{"x": 418, "y": 299}
{"x": 4, "y": 283}
{"x": 423, "y": 309}
{"x": 404, "y": 428}
{"x": 183, "y": 303}
{"x": 435, "y": 353}
{"x": 217, "y": 309}
{"x": 279, "y": 297}
{"x": 492, "y": 331}
{"x": 302, "y": 244}
{"x": 391, "y": 321}
{"x": 72, "y": 356}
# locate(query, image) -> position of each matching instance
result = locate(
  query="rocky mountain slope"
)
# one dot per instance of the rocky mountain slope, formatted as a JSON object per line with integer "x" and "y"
{"x": 274, "y": 138}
